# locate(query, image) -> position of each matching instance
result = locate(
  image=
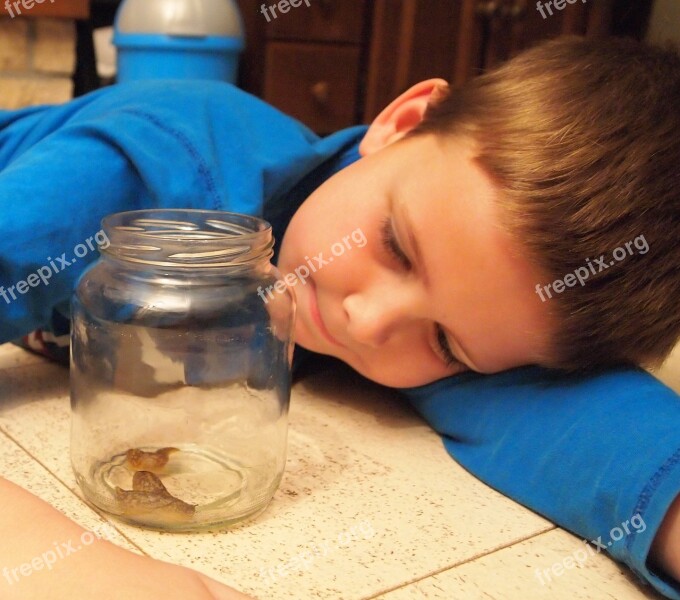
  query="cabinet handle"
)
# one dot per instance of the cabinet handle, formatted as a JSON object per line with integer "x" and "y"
{"x": 320, "y": 92}
{"x": 488, "y": 8}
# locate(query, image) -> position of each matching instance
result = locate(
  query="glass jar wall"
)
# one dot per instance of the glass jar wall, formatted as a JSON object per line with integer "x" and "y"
{"x": 180, "y": 370}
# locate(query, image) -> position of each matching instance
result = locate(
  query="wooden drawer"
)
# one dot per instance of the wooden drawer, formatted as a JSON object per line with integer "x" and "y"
{"x": 315, "y": 83}
{"x": 69, "y": 9}
{"x": 321, "y": 21}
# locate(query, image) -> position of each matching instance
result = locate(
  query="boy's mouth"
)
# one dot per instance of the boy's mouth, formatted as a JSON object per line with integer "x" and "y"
{"x": 316, "y": 315}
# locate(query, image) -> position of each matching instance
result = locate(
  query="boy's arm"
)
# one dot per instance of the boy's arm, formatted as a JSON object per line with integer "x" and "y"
{"x": 203, "y": 145}
{"x": 665, "y": 552}
{"x": 67, "y": 167}
{"x": 52, "y": 198}
{"x": 598, "y": 455}
{"x": 33, "y": 532}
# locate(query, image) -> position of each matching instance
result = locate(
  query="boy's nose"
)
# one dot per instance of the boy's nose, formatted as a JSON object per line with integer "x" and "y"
{"x": 374, "y": 315}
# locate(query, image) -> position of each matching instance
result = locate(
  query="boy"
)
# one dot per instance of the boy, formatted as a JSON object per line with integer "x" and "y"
{"x": 470, "y": 203}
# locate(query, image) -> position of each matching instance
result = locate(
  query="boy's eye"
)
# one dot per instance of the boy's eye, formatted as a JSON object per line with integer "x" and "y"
{"x": 391, "y": 245}
{"x": 444, "y": 348}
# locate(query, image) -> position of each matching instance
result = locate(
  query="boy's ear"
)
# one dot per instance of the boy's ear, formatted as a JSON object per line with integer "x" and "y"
{"x": 402, "y": 115}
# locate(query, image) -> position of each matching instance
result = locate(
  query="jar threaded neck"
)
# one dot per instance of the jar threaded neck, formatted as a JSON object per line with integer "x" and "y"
{"x": 188, "y": 238}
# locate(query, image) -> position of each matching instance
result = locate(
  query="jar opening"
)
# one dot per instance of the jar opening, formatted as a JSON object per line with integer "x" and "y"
{"x": 188, "y": 238}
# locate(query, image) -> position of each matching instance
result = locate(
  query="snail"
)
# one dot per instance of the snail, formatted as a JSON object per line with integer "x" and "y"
{"x": 140, "y": 460}
{"x": 148, "y": 494}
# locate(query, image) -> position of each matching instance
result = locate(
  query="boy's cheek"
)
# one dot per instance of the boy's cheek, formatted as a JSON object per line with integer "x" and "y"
{"x": 359, "y": 238}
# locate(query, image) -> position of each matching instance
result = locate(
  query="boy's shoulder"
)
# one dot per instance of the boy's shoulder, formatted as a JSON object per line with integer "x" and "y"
{"x": 189, "y": 113}
{"x": 188, "y": 97}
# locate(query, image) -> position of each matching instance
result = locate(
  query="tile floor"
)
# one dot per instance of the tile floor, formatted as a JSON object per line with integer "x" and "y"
{"x": 370, "y": 506}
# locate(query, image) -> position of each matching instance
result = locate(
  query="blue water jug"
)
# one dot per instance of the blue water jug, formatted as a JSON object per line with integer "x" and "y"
{"x": 178, "y": 39}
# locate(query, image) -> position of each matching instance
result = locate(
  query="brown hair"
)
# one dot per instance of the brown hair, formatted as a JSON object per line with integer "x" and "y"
{"x": 582, "y": 138}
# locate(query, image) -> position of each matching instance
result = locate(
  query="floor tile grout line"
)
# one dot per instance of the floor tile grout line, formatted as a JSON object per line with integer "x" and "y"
{"x": 460, "y": 563}
{"x": 63, "y": 483}
{"x": 372, "y": 597}
{"x": 381, "y": 593}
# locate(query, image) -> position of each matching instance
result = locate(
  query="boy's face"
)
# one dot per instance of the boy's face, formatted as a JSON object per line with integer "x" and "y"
{"x": 380, "y": 312}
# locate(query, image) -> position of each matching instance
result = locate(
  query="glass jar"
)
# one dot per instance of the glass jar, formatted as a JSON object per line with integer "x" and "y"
{"x": 181, "y": 369}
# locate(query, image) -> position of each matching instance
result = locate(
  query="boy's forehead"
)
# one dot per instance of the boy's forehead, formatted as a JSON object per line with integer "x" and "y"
{"x": 444, "y": 169}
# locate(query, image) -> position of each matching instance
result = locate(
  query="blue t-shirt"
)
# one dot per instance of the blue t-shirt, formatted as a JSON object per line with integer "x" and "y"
{"x": 590, "y": 453}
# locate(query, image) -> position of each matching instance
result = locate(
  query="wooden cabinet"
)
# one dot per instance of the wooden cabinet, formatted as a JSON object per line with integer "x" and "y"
{"x": 314, "y": 83}
{"x": 322, "y": 21}
{"x": 339, "y": 62}
{"x": 309, "y": 61}
{"x": 458, "y": 39}
{"x": 504, "y": 27}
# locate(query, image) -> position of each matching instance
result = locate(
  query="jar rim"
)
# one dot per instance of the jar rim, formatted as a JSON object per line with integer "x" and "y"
{"x": 127, "y": 218}
{"x": 185, "y": 237}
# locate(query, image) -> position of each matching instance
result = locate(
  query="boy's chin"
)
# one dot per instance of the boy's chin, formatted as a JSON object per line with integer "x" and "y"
{"x": 304, "y": 339}
{"x": 314, "y": 346}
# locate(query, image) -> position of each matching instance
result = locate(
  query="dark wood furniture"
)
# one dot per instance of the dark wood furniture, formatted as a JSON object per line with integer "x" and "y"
{"x": 339, "y": 62}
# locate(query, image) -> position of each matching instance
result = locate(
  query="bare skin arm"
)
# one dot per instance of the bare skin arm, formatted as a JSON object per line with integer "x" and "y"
{"x": 665, "y": 552}
{"x": 31, "y": 527}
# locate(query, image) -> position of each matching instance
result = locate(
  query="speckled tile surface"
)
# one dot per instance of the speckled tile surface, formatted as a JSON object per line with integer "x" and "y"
{"x": 511, "y": 574}
{"x": 370, "y": 502}
{"x": 12, "y": 356}
{"x": 369, "y": 491}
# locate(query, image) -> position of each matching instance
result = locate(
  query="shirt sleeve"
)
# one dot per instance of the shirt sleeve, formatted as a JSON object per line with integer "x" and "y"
{"x": 54, "y": 194}
{"x": 200, "y": 145}
{"x": 598, "y": 455}
{"x": 51, "y": 200}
